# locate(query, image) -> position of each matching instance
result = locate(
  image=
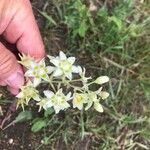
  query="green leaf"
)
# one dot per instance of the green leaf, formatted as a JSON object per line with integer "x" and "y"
{"x": 146, "y": 89}
{"x": 102, "y": 12}
{"x": 37, "y": 126}
{"x": 48, "y": 112}
{"x": 49, "y": 18}
{"x": 23, "y": 116}
{"x": 117, "y": 21}
{"x": 46, "y": 140}
{"x": 82, "y": 29}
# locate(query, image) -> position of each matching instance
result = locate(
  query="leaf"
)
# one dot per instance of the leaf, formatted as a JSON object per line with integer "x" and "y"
{"x": 142, "y": 146}
{"x": 103, "y": 12}
{"x": 82, "y": 29}
{"x": 117, "y": 21}
{"x": 23, "y": 116}
{"x": 146, "y": 89}
{"x": 48, "y": 112}
{"x": 37, "y": 126}
{"x": 49, "y": 18}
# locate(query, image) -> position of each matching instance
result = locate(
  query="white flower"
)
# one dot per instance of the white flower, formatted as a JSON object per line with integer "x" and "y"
{"x": 27, "y": 93}
{"x": 57, "y": 100}
{"x": 84, "y": 79}
{"x": 94, "y": 100}
{"x": 101, "y": 80}
{"x": 63, "y": 65}
{"x": 39, "y": 71}
{"x": 82, "y": 74}
{"x": 43, "y": 103}
{"x": 79, "y": 100}
{"x": 104, "y": 94}
{"x": 26, "y": 60}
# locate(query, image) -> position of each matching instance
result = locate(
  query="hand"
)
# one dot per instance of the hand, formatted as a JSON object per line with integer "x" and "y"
{"x": 17, "y": 26}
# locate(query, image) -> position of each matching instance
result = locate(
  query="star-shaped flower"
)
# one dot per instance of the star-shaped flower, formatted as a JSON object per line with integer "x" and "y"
{"x": 27, "y": 93}
{"x": 57, "y": 100}
{"x": 94, "y": 100}
{"x": 63, "y": 65}
{"x": 39, "y": 71}
{"x": 79, "y": 99}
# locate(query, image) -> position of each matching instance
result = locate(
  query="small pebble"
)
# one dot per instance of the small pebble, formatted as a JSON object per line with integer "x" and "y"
{"x": 10, "y": 141}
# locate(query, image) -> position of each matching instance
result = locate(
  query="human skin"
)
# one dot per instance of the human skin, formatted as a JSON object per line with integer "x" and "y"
{"x": 17, "y": 26}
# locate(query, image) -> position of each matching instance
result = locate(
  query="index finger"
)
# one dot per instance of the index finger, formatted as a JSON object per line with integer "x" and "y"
{"x": 23, "y": 30}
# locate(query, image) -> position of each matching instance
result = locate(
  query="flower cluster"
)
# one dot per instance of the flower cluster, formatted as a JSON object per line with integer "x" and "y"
{"x": 60, "y": 77}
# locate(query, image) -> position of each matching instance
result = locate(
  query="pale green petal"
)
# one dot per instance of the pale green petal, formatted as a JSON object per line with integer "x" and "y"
{"x": 20, "y": 95}
{"x": 41, "y": 72}
{"x": 58, "y": 72}
{"x": 36, "y": 81}
{"x": 45, "y": 77}
{"x": 50, "y": 57}
{"x": 33, "y": 64}
{"x": 29, "y": 73}
{"x": 55, "y": 62}
{"x": 36, "y": 98}
{"x": 98, "y": 107}
{"x": 99, "y": 90}
{"x": 101, "y": 80}
{"x": 68, "y": 96}
{"x": 79, "y": 106}
{"x": 50, "y": 69}
{"x": 60, "y": 91}
{"x": 62, "y": 56}
{"x": 80, "y": 69}
{"x": 42, "y": 63}
{"x": 89, "y": 104}
{"x": 69, "y": 76}
{"x": 75, "y": 69}
{"x": 66, "y": 105}
{"x": 71, "y": 60}
{"x": 57, "y": 109}
{"x": 48, "y": 93}
{"x": 48, "y": 104}
{"x": 104, "y": 94}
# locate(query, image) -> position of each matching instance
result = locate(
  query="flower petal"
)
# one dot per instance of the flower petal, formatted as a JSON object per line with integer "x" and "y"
{"x": 104, "y": 94}
{"x": 68, "y": 96}
{"x": 29, "y": 73}
{"x": 98, "y": 107}
{"x": 71, "y": 59}
{"x": 36, "y": 82}
{"x": 58, "y": 72}
{"x": 62, "y": 55}
{"x": 42, "y": 62}
{"x": 50, "y": 57}
{"x": 55, "y": 62}
{"x": 75, "y": 69}
{"x": 101, "y": 80}
{"x": 50, "y": 69}
{"x": 20, "y": 95}
{"x": 48, "y": 93}
{"x": 88, "y": 105}
{"x": 69, "y": 76}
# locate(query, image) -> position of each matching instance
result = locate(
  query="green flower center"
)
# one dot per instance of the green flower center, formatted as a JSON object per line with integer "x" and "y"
{"x": 65, "y": 66}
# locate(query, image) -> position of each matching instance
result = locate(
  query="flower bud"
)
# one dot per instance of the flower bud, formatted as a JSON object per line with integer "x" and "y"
{"x": 101, "y": 80}
{"x": 104, "y": 94}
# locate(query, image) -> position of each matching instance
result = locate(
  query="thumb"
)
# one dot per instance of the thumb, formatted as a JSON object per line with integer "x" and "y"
{"x": 11, "y": 73}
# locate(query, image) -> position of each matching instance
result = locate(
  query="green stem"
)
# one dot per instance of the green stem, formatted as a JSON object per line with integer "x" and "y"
{"x": 51, "y": 135}
{"x": 82, "y": 124}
